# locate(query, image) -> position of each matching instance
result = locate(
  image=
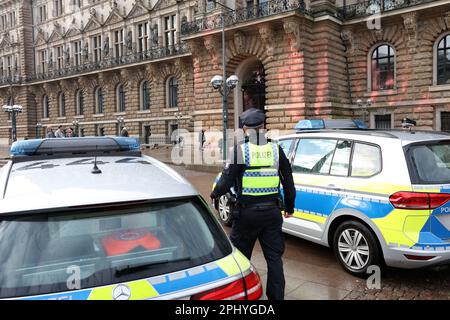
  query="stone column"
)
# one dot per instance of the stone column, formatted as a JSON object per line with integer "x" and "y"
{"x": 325, "y": 6}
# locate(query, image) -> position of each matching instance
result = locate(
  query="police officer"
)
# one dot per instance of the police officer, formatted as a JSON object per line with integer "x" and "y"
{"x": 255, "y": 168}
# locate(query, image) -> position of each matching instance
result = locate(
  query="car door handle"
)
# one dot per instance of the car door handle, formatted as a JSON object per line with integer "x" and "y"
{"x": 333, "y": 187}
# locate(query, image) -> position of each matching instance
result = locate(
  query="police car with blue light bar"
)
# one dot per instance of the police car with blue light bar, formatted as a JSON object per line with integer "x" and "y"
{"x": 92, "y": 218}
{"x": 371, "y": 195}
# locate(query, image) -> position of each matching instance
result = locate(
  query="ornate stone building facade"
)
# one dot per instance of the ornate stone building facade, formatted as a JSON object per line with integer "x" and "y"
{"x": 98, "y": 65}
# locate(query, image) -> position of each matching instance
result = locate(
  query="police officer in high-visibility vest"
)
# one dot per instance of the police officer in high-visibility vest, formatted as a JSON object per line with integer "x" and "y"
{"x": 255, "y": 168}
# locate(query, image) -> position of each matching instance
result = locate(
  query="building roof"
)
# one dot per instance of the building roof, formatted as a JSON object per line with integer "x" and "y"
{"x": 63, "y": 182}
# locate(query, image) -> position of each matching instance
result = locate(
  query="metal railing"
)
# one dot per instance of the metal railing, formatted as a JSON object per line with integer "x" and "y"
{"x": 265, "y": 9}
{"x": 9, "y": 80}
{"x": 112, "y": 62}
{"x": 370, "y": 7}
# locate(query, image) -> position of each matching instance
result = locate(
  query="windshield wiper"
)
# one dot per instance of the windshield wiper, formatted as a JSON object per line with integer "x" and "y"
{"x": 127, "y": 269}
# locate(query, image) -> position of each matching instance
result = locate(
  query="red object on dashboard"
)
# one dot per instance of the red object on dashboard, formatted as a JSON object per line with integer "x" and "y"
{"x": 124, "y": 241}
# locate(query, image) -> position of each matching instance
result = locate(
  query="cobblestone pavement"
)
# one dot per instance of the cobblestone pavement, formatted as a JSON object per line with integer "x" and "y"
{"x": 312, "y": 271}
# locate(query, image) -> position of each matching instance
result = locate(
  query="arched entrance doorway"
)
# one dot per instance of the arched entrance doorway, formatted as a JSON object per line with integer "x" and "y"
{"x": 251, "y": 90}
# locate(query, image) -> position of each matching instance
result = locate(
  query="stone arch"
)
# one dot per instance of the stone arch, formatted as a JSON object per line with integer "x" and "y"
{"x": 242, "y": 66}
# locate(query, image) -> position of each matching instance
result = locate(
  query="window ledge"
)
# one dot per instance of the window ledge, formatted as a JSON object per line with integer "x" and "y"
{"x": 79, "y": 117}
{"x": 119, "y": 113}
{"x": 439, "y": 87}
{"x": 170, "y": 110}
{"x": 45, "y": 119}
{"x": 144, "y": 111}
{"x": 98, "y": 115}
{"x": 381, "y": 93}
{"x": 61, "y": 118}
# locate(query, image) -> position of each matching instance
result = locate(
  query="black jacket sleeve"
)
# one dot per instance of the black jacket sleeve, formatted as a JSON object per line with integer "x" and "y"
{"x": 287, "y": 181}
{"x": 232, "y": 171}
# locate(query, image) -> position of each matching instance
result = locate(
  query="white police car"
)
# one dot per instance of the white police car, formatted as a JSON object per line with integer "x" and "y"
{"x": 91, "y": 218}
{"x": 373, "y": 196}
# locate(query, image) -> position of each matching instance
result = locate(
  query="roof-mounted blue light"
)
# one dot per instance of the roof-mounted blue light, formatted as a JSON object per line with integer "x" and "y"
{"x": 39, "y": 147}
{"x": 310, "y": 125}
{"x": 318, "y": 124}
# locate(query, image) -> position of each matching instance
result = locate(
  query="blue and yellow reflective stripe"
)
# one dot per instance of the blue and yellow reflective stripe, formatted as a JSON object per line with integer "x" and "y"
{"x": 261, "y": 174}
{"x": 154, "y": 287}
{"x": 259, "y": 190}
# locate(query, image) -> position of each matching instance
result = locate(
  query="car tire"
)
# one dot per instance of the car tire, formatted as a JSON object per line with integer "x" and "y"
{"x": 354, "y": 238}
{"x": 223, "y": 207}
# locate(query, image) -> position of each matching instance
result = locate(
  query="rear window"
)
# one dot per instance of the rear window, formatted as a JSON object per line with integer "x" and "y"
{"x": 39, "y": 253}
{"x": 429, "y": 163}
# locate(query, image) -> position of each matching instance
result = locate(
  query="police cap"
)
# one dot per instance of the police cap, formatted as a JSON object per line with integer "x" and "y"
{"x": 252, "y": 118}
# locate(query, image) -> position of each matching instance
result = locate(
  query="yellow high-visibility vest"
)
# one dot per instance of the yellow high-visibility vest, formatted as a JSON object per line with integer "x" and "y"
{"x": 261, "y": 174}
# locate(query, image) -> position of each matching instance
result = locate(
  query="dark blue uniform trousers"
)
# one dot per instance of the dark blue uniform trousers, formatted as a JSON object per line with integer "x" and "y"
{"x": 263, "y": 224}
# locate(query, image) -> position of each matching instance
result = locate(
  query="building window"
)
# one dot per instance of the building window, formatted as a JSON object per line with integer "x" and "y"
{"x": 443, "y": 61}
{"x": 9, "y": 66}
{"x": 383, "y": 121}
{"x": 120, "y": 96}
{"x": 57, "y": 8}
{"x": 445, "y": 121}
{"x": 45, "y": 107}
{"x": 79, "y": 97}
{"x": 169, "y": 30}
{"x": 118, "y": 43}
{"x": 172, "y": 90}
{"x": 97, "y": 48}
{"x": 12, "y": 18}
{"x": 142, "y": 37}
{"x": 62, "y": 104}
{"x": 76, "y": 3}
{"x": 42, "y": 55}
{"x": 4, "y": 21}
{"x": 144, "y": 96}
{"x": 60, "y": 57}
{"x": 383, "y": 68}
{"x": 77, "y": 52}
{"x": 42, "y": 13}
{"x": 98, "y": 100}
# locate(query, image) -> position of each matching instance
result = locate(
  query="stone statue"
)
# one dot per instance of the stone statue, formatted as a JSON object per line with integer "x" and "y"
{"x": 50, "y": 60}
{"x": 67, "y": 56}
{"x": 154, "y": 31}
{"x": 129, "y": 40}
{"x": 106, "y": 46}
{"x": 86, "y": 51}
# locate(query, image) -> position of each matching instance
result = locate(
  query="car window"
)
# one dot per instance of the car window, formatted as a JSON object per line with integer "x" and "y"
{"x": 37, "y": 252}
{"x": 285, "y": 145}
{"x": 431, "y": 163}
{"x": 314, "y": 156}
{"x": 366, "y": 160}
{"x": 341, "y": 159}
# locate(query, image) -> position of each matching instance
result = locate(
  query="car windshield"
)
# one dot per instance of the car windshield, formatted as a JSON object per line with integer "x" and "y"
{"x": 430, "y": 163}
{"x": 46, "y": 252}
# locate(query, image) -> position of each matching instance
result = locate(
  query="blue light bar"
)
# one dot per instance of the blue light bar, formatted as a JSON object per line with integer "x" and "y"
{"x": 77, "y": 145}
{"x": 25, "y": 147}
{"x": 310, "y": 125}
{"x": 318, "y": 124}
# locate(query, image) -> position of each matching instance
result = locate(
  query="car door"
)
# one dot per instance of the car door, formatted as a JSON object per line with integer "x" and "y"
{"x": 320, "y": 169}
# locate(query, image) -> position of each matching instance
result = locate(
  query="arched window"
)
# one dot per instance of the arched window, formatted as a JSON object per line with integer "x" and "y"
{"x": 383, "y": 68}
{"x": 45, "y": 107}
{"x": 98, "y": 94}
{"x": 144, "y": 95}
{"x": 172, "y": 92}
{"x": 443, "y": 60}
{"x": 120, "y": 98}
{"x": 80, "y": 102}
{"x": 62, "y": 104}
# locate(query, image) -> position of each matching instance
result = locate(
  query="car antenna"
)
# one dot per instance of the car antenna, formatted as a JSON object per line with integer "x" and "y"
{"x": 96, "y": 170}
